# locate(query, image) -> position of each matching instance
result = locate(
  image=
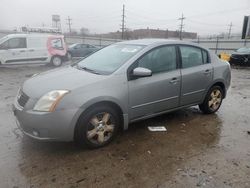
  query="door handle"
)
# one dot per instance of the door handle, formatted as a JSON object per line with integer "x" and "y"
{"x": 22, "y": 51}
{"x": 207, "y": 71}
{"x": 31, "y": 50}
{"x": 173, "y": 80}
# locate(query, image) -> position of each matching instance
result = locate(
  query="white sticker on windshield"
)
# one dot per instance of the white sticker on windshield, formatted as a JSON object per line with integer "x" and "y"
{"x": 129, "y": 50}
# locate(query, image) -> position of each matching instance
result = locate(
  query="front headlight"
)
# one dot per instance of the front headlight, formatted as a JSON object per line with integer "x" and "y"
{"x": 48, "y": 102}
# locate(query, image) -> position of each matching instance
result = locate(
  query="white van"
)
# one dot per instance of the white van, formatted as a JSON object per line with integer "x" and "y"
{"x": 32, "y": 48}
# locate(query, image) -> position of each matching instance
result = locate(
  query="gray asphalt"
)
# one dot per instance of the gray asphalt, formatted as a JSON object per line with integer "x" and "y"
{"x": 197, "y": 150}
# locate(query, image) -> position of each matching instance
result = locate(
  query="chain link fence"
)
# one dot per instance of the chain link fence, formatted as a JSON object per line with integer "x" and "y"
{"x": 217, "y": 45}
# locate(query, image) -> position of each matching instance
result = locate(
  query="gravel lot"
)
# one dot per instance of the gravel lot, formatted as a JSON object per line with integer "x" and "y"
{"x": 197, "y": 150}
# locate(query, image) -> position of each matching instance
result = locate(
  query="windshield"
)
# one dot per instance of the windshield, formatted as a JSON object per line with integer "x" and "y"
{"x": 72, "y": 45}
{"x": 243, "y": 50}
{"x": 109, "y": 59}
{"x": 3, "y": 39}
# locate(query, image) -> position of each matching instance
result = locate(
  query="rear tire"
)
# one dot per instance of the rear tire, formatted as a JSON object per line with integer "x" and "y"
{"x": 56, "y": 61}
{"x": 97, "y": 127}
{"x": 212, "y": 101}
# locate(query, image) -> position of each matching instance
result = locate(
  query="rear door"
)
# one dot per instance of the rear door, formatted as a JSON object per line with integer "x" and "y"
{"x": 159, "y": 92}
{"x": 197, "y": 72}
{"x": 14, "y": 50}
{"x": 37, "y": 49}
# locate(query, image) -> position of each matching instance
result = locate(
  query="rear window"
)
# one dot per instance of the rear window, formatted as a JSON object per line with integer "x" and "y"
{"x": 57, "y": 43}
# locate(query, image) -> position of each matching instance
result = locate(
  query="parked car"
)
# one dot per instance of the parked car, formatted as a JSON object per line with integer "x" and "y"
{"x": 32, "y": 48}
{"x": 241, "y": 57}
{"x": 81, "y": 50}
{"x": 123, "y": 83}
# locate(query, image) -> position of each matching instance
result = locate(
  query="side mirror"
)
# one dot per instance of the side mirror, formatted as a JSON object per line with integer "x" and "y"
{"x": 141, "y": 72}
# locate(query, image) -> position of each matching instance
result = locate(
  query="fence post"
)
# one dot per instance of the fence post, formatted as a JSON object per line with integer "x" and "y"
{"x": 198, "y": 40}
{"x": 217, "y": 43}
{"x": 245, "y": 41}
{"x": 100, "y": 42}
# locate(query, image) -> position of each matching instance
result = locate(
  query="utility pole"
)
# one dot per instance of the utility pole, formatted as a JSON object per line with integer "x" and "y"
{"x": 69, "y": 23}
{"x": 123, "y": 21}
{"x": 182, "y": 18}
{"x": 230, "y": 30}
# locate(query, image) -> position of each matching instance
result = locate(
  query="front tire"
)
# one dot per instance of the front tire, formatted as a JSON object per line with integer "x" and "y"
{"x": 56, "y": 61}
{"x": 212, "y": 101}
{"x": 97, "y": 127}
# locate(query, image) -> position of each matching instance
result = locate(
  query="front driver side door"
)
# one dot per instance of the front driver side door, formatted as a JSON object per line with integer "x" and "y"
{"x": 160, "y": 92}
{"x": 77, "y": 52}
{"x": 15, "y": 50}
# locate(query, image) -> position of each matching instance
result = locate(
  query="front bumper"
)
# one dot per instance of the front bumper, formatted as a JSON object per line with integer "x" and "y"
{"x": 239, "y": 60}
{"x": 45, "y": 126}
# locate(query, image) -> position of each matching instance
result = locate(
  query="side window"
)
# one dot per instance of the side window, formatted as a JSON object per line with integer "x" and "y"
{"x": 159, "y": 60}
{"x": 190, "y": 56}
{"x": 205, "y": 57}
{"x": 16, "y": 43}
{"x": 84, "y": 46}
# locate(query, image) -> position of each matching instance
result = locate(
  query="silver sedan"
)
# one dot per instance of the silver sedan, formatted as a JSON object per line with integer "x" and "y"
{"x": 88, "y": 102}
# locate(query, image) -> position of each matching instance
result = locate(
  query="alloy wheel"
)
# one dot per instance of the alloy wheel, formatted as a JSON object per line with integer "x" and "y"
{"x": 100, "y": 128}
{"x": 215, "y": 99}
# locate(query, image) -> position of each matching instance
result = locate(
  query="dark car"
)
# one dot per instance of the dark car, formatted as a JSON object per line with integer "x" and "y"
{"x": 81, "y": 50}
{"x": 241, "y": 57}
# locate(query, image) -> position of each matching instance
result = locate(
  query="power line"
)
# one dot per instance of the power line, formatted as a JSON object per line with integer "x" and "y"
{"x": 69, "y": 23}
{"x": 230, "y": 29}
{"x": 182, "y": 18}
{"x": 123, "y": 21}
{"x": 138, "y": 16}
{"x": 219, "y": 12}
{"x": 206, "y": 24}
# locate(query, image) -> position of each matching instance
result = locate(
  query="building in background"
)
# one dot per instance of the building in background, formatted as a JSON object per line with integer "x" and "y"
{"x": 150, "y": 33}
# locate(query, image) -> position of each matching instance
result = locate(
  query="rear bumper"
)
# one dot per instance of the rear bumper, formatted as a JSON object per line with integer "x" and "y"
{"x": 44, "y": 126}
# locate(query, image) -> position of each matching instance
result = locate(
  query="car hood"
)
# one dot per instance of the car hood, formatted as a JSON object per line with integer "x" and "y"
{"x": 68, "y": 78}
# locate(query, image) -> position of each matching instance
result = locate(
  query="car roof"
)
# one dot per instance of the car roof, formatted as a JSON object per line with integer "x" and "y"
{"x": 149, "y": 42}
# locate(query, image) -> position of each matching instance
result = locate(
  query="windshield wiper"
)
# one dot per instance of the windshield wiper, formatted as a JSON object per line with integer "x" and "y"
{"x": 87, "y": 69}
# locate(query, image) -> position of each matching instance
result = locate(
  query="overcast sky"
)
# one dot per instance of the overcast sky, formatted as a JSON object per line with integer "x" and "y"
{"x": 99, "y": 16}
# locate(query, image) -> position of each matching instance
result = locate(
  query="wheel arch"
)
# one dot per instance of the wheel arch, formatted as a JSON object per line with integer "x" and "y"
{"x": 222, "y": 85}
{"x": 218, "y": 82}
{"x": 110, "y": 103}
{"x": 107, "y": 103}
